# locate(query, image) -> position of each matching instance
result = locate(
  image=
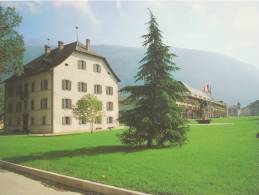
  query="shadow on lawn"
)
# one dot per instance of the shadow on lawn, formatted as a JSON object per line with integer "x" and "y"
{"x": 92, "y": 151}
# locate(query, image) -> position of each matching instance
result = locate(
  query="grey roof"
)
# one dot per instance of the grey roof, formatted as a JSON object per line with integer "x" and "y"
{"x": 57, "y": 56}
{"x": 195, "y": 93}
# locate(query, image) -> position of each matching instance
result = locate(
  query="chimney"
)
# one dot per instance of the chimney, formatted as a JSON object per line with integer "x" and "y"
{"x": 87, "y": 44}
{"x": 60, "y": 45}
{"x": 47, "y": 49}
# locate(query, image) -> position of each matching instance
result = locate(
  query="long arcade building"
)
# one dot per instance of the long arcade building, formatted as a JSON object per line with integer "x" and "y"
{"x": 198, "y": 104}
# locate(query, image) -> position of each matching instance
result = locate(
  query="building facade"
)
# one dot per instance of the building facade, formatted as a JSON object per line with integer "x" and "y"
{"x": 41, "y": 100}
{"x": 198, "y": 104}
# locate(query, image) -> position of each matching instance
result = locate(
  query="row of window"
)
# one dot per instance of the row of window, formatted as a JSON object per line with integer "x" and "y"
{"x": 81, "y": 64}
{"x": 66, "y": 120}
{"x": 66, "y": 104}
{"x": 66, "y": 85}
{"x": 18, "y": 89}
{"x": 18, "y": 108}
{"x": 82, "y": 87}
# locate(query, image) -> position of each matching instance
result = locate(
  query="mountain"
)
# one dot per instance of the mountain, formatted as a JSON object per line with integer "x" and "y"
{"x": 251, "y": 109}
{"x": 231, "y": 80}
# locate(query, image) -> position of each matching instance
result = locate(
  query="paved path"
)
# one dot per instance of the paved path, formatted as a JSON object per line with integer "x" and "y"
{"x": 15, "y": 184}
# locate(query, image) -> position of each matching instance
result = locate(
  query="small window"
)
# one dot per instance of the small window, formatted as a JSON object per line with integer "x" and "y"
{"x": 43, "y": 122}
{"x": 32, "y": 121}
{"x": 82, "y": 122}
{"x": 26, "y": 89}
{"x": 66, "y": 103}
{"x": 109, "y": 106}
{"x": 32, "y": 105}
{"x": 44, "y": 103}
{"x": 82, "y": 87}
{"x": 97, "y": 89}
{"x": 25, "y": 105}
{"x": 9, "y": 122}
{"x": 18, "y": 121}
{"x": 32, "y": 86}
{"x": 18, "y": 107}
{"x": 66, "y": 120}
{"x": 81, "y": 64}
{"x": 98, "y": 120}
{"x": 66, "y": 85}
{"x": 10, "y": 108}
{"x": 19, "y": 90}
{"x": 109, "y": 90}
{"x": 97, "y": 68}
{"x": 44, "y": 84}
{"x": 109, "y": 120}
{"x": 10, "y": 92}
{"x": 66, "y": 64}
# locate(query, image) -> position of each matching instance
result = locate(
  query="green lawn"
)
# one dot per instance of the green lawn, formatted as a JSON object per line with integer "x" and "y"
{"x": 220, "y": 159}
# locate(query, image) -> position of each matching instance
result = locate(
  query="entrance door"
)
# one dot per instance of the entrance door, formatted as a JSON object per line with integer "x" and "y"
{"x": 25, "y": 123}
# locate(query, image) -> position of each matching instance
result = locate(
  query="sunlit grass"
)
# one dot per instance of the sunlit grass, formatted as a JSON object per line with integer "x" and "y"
{"x": 219, "y": 159}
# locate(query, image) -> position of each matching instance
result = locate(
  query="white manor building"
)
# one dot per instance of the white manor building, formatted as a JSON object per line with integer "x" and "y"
{"x": 41, "y": 99}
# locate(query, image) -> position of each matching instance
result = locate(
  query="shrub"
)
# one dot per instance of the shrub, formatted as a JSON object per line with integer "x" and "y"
{"x": 130, "y": 137}
{"x": 257, "y": 135}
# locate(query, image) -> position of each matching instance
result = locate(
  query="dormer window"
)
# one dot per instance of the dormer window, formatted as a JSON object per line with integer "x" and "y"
{"x": 97, "y": 68}
{"x": 81, "y": 64}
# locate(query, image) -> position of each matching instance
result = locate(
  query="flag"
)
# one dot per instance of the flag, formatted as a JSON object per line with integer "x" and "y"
{"x": 206, "y": 88}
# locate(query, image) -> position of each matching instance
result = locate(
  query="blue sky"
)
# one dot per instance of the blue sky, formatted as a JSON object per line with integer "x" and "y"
{"x": 230, "y": 28}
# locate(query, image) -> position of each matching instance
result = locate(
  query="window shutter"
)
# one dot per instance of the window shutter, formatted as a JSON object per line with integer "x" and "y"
{"x": 85, "y": 87}
{"x": 70, "y": 103}
{"x": 78, "y": 64}
{"x": 46, "y": 84}
{"x": 69, "y": 85}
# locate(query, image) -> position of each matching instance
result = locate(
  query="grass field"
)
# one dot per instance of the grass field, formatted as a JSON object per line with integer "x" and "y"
{"x": 218, "y": 159}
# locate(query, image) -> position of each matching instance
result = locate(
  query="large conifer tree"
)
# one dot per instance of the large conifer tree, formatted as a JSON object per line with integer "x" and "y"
{"x": 155, "y": 116}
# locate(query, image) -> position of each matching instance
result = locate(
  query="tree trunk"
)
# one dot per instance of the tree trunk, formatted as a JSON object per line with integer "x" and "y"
{"x": 92, "y": 126}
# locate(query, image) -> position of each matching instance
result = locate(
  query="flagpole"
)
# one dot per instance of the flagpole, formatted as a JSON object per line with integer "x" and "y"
{"x": 76, "y": 33}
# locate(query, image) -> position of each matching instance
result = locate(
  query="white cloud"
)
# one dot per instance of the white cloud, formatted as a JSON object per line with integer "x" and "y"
{"x": 83, "y": 7}
{"x": 231, "y": 28}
